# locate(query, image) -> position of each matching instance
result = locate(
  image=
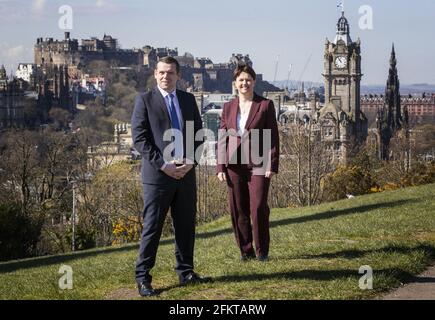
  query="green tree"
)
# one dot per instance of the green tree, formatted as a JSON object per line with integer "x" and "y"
{"x": 346, "y": 180}
{"x": 19, "y": 233}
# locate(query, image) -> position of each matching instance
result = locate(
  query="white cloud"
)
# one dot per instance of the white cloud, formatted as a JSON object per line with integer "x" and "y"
{"x": 97, "y": 7}
{"x": 10, "y": 56}
{"x": 14, "y": 52}
{"x": 100, "y": 3}
{"x": 38, "y": 5}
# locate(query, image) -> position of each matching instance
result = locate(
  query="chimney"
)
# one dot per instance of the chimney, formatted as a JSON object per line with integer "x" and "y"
{"x": 67, "y": 35}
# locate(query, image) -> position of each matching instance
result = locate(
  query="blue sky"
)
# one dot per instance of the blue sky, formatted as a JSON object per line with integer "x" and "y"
{"x": 292, "y": 30}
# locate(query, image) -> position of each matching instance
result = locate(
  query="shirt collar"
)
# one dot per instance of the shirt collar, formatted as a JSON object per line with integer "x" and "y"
{"x": 165, "y": 93}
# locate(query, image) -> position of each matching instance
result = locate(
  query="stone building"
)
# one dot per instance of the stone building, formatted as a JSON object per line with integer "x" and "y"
{"x": 111, "y": 152}
{"x": 69, "y": 52}
{"x": 297, "y": 107}
{"x": 202, "y": 75}
{"x": 341, "y": 122}
{"x": 11, "y": 102}
{"x": 152, "y": 55}
{"x": 421, "y": 107}
{"x": 53, "y": 89}
{"x": 27, "y": 72}
{"x": 198, "y": 74}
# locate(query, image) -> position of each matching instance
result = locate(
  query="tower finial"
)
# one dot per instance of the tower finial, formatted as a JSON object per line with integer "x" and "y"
{"x": 341, "y": 5}
{"x": 343, "y": 29}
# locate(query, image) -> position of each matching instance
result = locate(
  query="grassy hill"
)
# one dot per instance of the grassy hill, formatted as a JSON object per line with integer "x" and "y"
{"x": 315, "y": 253}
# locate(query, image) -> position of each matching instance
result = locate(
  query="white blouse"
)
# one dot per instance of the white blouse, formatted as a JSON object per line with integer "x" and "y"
{"x": 241, "y": 123}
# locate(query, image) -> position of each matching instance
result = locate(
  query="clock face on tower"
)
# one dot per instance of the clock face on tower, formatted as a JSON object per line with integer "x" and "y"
{"x": 341, "y": 62}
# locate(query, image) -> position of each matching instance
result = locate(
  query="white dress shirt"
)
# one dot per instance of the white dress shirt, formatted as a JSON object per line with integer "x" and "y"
{"x": 179, "y": 152}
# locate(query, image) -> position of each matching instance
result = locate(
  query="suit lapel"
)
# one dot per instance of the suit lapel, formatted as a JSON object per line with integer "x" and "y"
{"x": 254, "y": 109}
{"x": 234, "y": 109}
{"x": 161, "y": 103}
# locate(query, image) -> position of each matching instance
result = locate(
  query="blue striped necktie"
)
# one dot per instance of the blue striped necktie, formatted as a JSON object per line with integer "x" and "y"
{"x": 175, "y": 122}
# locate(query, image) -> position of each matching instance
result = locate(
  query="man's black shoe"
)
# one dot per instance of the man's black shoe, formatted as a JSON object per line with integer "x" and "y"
{"x": 193, "y": 278}
{"x": 145, "y": 289}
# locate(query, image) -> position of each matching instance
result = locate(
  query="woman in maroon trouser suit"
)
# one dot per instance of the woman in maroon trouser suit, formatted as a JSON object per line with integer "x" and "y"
{"x": 249, "y": 122}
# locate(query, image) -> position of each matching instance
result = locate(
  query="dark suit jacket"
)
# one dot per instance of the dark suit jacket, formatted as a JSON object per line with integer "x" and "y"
{"x": 261, "y": 116}
{"x": 149, "y": 122}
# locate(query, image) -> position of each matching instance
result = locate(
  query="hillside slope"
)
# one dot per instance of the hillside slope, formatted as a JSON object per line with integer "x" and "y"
{"x": 316, "y": 253}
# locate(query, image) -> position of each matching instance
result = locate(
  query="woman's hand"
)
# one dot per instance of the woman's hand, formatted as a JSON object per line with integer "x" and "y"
{"x": 221, "y": 176}
{"x": 269, "y": 174}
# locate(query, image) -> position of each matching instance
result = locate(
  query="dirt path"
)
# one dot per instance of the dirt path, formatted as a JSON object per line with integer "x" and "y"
{"x": 421, "y": 287}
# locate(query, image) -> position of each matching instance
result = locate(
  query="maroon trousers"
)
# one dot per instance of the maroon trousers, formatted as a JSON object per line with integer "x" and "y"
{"x": 247, "y": 195}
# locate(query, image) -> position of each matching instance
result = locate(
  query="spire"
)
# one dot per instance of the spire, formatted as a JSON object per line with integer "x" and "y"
{"x": 342, "y": 25}
{"x": 393, "y": 60}
{"x": 3, "y": 74}
{"x": 393, "y": 77}
{"x": 392, "y": 94}
{"x": 343, "y": 30}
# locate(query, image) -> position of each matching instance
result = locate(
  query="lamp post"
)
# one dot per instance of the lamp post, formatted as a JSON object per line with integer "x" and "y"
{"x": 73, "y": 218}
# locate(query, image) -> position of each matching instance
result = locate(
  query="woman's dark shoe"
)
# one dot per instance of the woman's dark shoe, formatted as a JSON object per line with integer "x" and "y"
{"x": 263, "y": 258}
{"x": 247, "y": 256}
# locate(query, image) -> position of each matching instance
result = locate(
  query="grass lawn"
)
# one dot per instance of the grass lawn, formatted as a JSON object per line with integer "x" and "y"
{"x": 315, "y": 253}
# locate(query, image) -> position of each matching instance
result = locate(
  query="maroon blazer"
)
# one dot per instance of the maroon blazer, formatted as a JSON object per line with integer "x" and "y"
{"x": 261, "y": 116}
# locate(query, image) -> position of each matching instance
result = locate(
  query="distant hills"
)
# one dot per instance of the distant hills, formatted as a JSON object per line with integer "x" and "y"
{"x": 417, "y": 88}
{"x": 404, "y": 89}
{"x": 293, "y": 84}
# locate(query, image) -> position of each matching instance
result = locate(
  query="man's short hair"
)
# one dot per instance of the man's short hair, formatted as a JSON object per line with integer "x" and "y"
{"x": 170, "y": 60}
{"x": 244, "y": 68}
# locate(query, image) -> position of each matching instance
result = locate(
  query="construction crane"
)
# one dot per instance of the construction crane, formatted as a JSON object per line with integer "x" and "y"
{"x": 305, "y": 67}
{"x": 288, "y": 77}
{"x": 276, "y": 70}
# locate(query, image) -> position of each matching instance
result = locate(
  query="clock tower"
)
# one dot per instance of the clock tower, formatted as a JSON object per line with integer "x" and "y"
{"x": 342, "y": 71}
{"x": 342, "y": 76}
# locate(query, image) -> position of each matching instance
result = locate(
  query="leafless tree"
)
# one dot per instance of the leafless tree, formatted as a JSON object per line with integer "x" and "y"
{"x": 305, "y": 162}
{"x": 19, "y": 165}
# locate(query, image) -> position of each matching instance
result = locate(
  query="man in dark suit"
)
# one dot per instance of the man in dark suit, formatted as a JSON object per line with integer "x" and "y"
{"x": 168, "y": 173}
